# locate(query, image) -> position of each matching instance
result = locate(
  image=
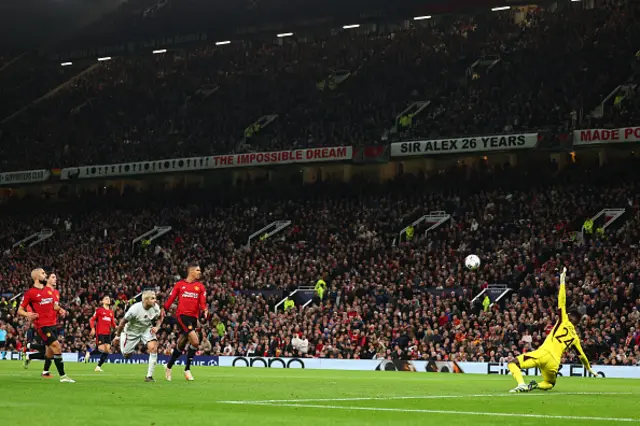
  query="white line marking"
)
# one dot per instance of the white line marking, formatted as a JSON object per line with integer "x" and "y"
{"x": 459, "y": 413}
{"x": 384, "y": 398}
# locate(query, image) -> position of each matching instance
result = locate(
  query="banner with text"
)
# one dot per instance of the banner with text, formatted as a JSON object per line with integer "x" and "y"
{"x": 567, "y": 370}
{"x": 17, "y": 356}
{"x": 253, "y": 159}
{"x": 490, "y": 368}
{"x": 479, "y": 144}
{"x": 28, "y": 176}
{"x": 202, "y": 361}
{"x": 602, "y": 136}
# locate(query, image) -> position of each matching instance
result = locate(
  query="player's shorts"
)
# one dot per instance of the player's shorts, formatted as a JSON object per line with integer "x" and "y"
{"x": 544, "y": 361}
{"x": 3, "y": 344}
{"x": 48, "y": 334}
{"x": 129, "y": 342}
{"x": 103, "y": 339}
{"x": 187, "y": 323}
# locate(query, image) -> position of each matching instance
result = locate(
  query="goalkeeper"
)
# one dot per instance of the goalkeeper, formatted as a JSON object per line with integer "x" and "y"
{"x": 547, "y": 357}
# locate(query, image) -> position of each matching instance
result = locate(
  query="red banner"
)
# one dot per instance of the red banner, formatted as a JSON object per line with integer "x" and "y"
{"x": 283, "y": 157}
{"x": 602, "y": 136}
{"x": 172, "y": 165}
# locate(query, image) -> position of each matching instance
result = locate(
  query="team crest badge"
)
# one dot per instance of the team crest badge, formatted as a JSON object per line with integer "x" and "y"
{"x": 197, "y": 288}
{"x": 48, "y": 334}
{"x": 190, "y": 327}
{"x": 50, "y": 293}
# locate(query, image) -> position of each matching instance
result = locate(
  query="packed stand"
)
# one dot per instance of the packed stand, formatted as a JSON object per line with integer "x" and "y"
{"x": 174, "y": 103}
{"x": 23, "y": 84}
{"x": 555, "y": 65}
{"x": 409, "y": 301}
{"x": 203, "y": 101}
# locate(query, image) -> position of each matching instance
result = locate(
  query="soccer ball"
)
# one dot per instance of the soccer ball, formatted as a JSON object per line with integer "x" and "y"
{"x": 472, "y": 262}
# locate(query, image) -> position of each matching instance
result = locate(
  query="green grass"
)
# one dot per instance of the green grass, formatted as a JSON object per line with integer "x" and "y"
{"x": 119, "y": 396}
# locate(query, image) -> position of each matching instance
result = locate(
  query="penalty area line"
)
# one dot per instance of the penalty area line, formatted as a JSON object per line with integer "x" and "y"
{"x": 389, "y": 398}
{"x": 458, "y": 413}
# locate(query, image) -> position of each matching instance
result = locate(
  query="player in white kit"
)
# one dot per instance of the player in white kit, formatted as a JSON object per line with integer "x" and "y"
{"x": 140, "y": 324}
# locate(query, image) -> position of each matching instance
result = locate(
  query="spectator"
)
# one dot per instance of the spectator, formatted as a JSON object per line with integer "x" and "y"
{"x": 3, "y": 340}
{"x": 517, "y": 74}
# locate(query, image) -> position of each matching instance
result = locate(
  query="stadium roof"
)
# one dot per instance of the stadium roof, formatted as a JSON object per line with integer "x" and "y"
{"x": 34, "y": 23}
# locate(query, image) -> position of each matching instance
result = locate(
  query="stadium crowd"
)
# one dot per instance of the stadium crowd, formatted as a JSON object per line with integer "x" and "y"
{"x": 538, "y": 71}
{"x": 383, "y": 300}
{"x": 409, "y": 300}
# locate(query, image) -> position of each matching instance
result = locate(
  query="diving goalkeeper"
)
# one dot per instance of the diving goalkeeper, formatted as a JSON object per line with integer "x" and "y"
{"x": 547, "y": 357}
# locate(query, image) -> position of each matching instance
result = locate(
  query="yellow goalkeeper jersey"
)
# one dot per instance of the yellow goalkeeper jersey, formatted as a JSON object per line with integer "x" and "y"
{"x": 563, "y": 336}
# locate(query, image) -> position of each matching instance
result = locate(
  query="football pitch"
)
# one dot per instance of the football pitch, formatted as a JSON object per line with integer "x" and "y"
{"x": 255, "y": 396}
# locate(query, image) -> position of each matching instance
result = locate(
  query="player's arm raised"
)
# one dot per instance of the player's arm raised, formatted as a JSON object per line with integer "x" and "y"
{"x": 583, "y": 358}
{"x": 562, "y": 296}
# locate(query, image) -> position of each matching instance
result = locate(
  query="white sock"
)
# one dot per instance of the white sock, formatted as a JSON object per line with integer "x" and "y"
{"x": 153, "y": 359}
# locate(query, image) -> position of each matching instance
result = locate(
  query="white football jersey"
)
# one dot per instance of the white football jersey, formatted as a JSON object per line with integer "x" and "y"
{"x": 140, "y": 320}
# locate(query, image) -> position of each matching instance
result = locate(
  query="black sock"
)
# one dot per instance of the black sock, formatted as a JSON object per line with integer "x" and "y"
{"x": 103, "y": 358}
{"x": 191, "y": 352}
{"x": 174, "y": 356}
{"x": 37, "y": 355}
{"x": 47, "y": 364}
{"x": 59, "y": 364}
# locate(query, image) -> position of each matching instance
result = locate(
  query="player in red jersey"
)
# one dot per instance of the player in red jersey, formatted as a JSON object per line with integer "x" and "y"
{"x": 192, "y": 299}
{"x": 52, "y": 283}
{"x": 102, "y": 322}
{"x": 45, "y": 308}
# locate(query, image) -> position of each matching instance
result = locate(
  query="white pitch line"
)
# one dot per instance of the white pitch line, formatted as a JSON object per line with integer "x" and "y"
{"x": 385, "y": 398}
{"x": 459, "y": 413}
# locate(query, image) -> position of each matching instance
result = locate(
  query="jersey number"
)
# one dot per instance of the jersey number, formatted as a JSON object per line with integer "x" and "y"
{"x": 567, "y": 342}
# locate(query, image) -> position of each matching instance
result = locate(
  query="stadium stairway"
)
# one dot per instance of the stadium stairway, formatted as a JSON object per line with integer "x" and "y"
{"x": 267, "y": 231}
{"x": 496, "y": 293}
{"x": 302, "y": 296}
{"x": 610, "y": 219}
{"x": 421, "y": 226}
{"x": 51, "y": 93}
{"x": 34, "y": 239}
{"x": 13, "y": 63}
{"x": 151, "y": 235}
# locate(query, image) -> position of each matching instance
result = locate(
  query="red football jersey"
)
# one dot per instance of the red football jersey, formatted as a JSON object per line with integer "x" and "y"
{"x": 103, "y": 321}
{"x": 41, "y": 301}
{"x": 56, "y": 298}
{"x": 191, "y": 297}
